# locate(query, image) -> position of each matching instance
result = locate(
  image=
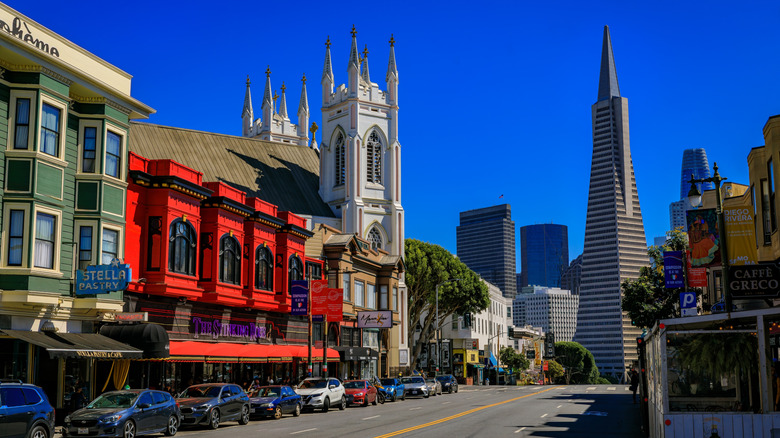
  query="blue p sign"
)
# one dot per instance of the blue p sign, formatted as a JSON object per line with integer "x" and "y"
{"x": 687, "y": 300}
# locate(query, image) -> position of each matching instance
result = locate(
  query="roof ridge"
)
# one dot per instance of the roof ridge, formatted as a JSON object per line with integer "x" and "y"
{"x": 177, "y": 128}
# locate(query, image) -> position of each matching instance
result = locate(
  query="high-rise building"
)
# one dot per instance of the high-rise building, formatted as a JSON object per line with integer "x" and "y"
{"x": 486, "y": 244}
{"x": 572, "y": 276}
{"x": 677, "y": 211}
{"x": 551, "y": 308}
{"x": 694, "y": 163}
{"x": 544, "y": 254}
{"x": 615, "y": 247}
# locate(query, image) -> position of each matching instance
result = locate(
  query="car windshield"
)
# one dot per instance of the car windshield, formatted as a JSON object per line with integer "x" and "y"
{"x": 430, "y": 380}
{"x": 388, "y": 382}
{"x": 442, "y": 378}
{"x": 359, "y": 384}
{"x": 412, "y": 380}
{"x": 201, "y": 391}
{"x": 268, "y": 392}
{"x": 114, "y": 400}
{"x": 313, "y": 384}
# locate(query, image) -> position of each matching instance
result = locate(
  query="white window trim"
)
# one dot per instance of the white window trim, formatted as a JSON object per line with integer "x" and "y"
{"x": 57, "y": 238}
{"x": 77, "y": 238}
{"x": 63, "y": 107}
{"x": 99, "y": 130}
{"x": 6, "y": 235}
{"x": 121, "y": 132}
{"x": 21, "y": 94}
{"x": 120, "y": 250}
{"x": 363, "y": 300}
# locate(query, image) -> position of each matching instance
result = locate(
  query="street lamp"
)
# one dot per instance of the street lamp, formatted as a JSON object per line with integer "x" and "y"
{"x": 438, "y": 344}
{"x": 694, "y": 199}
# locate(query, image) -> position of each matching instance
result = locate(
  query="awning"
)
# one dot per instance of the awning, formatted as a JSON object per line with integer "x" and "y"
{"x": 491, "y": 360}
{"x": 357, "y": 353}
{"x": 151, "y": 338}
{"x": 234, "y": 352}
{"x": 78, "y": 345}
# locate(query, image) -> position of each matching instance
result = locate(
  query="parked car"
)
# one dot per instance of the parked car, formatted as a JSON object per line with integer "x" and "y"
{"x": 322, "y": 393}
{"x": 449, "y": 383}
{"x": 434, "y": 387}
{"x": 25, "y": 411}
{"x": 394, "y": 389}
{"x": 360, "y": 392}
{"x": 126, "y": 413}
{"x": 275, "y": 401}
{"x": 211, "y": 404}
{"x": 415, "y": 385}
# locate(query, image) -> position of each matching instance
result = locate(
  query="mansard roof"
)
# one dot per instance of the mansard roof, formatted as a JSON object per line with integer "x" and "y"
{"x": 283, "y": 174}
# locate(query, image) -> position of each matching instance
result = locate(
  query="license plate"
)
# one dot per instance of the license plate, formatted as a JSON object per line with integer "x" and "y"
{"x": 252, "y": 410}
{"x": 83, "y": 430}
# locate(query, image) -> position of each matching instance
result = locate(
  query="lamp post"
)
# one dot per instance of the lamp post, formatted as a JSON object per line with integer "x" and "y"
{"x": 694, "y": 199}
{"x": 438, "y": 344}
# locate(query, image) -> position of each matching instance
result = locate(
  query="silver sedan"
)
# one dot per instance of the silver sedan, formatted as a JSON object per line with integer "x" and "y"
{"x": 434, "y": 386}
{"x": 415, "y": 385}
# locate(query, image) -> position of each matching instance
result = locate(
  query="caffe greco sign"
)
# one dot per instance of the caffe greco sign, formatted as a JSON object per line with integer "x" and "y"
{"x": 754, "y": 281}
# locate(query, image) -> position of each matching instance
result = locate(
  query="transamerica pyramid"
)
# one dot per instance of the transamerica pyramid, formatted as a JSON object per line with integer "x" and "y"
{"x": 615, "y": 246}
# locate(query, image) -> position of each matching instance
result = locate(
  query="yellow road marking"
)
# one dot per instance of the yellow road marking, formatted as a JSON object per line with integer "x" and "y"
{"x": 452, "y": 417}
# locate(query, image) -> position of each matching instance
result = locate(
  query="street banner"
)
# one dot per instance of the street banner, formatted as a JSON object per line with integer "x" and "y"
{"x": 697, "y": 277}
{"x": 673, "y": 269}
{"x": 335, "y": 304}
{"x": 299, "y": 297}
{"x": 703, "y": 237}
{"x": 740, "y": 234}
{"x": 319, "y": 297}
{"x": 375, "y": 319}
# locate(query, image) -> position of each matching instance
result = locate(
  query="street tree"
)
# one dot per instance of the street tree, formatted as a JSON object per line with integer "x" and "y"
{"x": 429, "y": 265}
{"x": 513, "y": 360}
{"x": 646, "y": 298}
{"x": 554, "y": 370}
{"x": 578, "y": 363}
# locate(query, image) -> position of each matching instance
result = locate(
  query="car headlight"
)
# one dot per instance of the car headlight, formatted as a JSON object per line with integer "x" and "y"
{"x": 316, "y": 395}
{"x": 200, "y": 408}
{"x": 111, "y": 418}
{"x": 359, "y": 394}
{"x": 67, "y": 419}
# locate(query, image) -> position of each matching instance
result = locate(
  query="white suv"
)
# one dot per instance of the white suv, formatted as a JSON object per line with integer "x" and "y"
{"x": 322, "y": 393}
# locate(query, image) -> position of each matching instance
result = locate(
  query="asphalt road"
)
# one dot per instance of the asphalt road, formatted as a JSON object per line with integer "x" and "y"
{"x": 475, "y": 411}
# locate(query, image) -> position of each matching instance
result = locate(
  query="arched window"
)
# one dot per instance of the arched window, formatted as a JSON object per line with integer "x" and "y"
{"x": 375, "y": 238}
{"x": 229, "y": 260}
{"x": 340, "y": 161}
{"x": 296, "y": 271}
{"x": 264, "y": 268}
{"x": 182, "y": 247}
{"x": 374, "y": 159}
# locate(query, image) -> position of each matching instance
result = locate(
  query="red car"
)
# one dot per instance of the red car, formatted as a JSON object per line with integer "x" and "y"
{"x": 360, "y": 392}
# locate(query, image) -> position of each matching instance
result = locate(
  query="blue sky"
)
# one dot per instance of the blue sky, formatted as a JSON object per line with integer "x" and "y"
{"x": 494, "y": 100}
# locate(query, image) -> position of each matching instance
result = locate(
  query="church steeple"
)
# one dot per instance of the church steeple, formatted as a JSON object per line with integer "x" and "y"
{"x": 364, "y": 66}
{"x": 608, "y": 81}
{"x": 268, "y": 104}
{"x": 283, "y": 103}
{"x": 247, "y": 115}
{"x": 353, "y": 68}
{"x": 303, "y": 112}
{"x": 392, "y": 69}
{"x": 327, "y": 75}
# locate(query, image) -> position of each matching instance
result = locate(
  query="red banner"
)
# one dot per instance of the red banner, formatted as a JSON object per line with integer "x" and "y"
{"x": 326, "y": 301}
{"x": 335, "y": 304}
{"x": 697, "y": 277}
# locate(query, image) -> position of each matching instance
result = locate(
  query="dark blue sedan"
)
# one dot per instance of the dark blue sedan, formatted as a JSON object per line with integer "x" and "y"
{"x": 125, "y": 414}
{"x": 274, "y": 401}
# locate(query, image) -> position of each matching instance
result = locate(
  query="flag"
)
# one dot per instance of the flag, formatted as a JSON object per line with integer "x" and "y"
{"x": 500, "y": 196}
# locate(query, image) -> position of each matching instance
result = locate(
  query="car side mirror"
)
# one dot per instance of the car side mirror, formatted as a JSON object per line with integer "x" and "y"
{"x": 332, "y": 387}
{"x": 144, "y": 405}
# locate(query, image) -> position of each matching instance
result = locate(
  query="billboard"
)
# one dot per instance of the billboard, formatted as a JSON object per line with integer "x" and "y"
{"x": 740, "y": 232}
{"x": 703, "y": 237}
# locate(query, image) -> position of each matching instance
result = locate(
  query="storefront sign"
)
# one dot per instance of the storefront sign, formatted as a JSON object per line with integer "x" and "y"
{"x": 472, "y": 344}
{"x": 217, "y": 328}
{"x": 375, "y": 319}
{"x": 300, "y": 297}
{"x": 673, "y": 269}
{"x": 326, "y": 301}
{"x": 754, "y": 281}
{"x": 100, "y": 354}
{"x": 102, "y": 279}
{"x": 19, "y": 29}
{"x": 131, "y": 317}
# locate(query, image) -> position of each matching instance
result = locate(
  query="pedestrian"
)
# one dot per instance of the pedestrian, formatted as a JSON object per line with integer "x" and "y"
{"x": 634, "y": 376}
{"x": 77, "y": 399}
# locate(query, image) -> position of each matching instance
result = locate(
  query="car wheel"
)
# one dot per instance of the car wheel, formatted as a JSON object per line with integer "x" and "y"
{"x": 278, "y": 413}
{"x": 456, "y": 389}
{"x": 39, "y": 432}
{"x": 427, "y": 395}
{"x": 244, "y": 418}
{"x": 173, "y": 426}
{"x": 214, "y": 418}
{"x": 343, "y": 404}
{"x": 297, "y": 411}
{"x": 326, "y": 405}
{"x": 449, "y": 390}
{"x": 376, "y": 397}
{"x": 128, "y": 431}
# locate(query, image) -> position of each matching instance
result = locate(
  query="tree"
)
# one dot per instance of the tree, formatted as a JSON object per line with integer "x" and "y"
{"x": 646, "y": 299}
{"x": 428, "y": 265}
{"x": 554, "y": 370}
{"x": 513, "y": 360}
{"x": 578, "y": 363}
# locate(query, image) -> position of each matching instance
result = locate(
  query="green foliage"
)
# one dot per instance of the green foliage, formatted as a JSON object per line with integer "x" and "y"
{"x": 512, "y": 359}
{"x": 428, "y": 265}
{"x": 604, "y": 380}
{"x": 578, "y": 363}
{"x": 646, "y": 299}
{"x": 719, "y": 353}
{"x": 554, "y": 370}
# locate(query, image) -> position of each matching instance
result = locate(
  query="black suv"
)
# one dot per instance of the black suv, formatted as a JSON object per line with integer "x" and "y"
{"x": 25, "y": 411}
{"x": 448, "y": 382}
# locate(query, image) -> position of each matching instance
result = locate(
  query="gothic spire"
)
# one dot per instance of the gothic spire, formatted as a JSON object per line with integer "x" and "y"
{"x": 354, "y": 58}
{"x": 391, "y": 67}
{"x": 283, "y": 103}
{"x": 268, "y": 94}
{"x": 327, "y": 70}
{"x": 303, "y": 106}
{"x": 364, "y": 66}
{"x": 247, "y": 101}
{"x": 608, "y": 81}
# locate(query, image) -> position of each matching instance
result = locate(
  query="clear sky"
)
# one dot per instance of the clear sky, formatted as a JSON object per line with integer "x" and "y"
{"x": 494, "y": 97}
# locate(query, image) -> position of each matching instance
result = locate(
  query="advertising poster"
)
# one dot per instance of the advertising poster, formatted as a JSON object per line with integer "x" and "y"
{"x": 740, "y": 235}
{"x": 703, "y": 238}
{"x": 697, "y": 277}
{"x": 299, "y": 297}
{"x": 335, "y": 304}
{"x": 319, "y": 297}
{"x": 673, "y": 269}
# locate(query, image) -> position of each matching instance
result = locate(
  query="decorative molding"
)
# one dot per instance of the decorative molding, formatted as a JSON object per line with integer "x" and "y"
{"x": 56, "y": 76}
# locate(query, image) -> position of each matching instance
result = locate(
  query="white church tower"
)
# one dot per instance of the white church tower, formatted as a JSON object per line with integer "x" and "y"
{"x": 276, "y": 125}
{"x": 360, "y": 156}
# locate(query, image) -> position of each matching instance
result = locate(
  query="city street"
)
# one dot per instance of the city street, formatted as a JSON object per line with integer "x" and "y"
{"x": 524, "y": 411}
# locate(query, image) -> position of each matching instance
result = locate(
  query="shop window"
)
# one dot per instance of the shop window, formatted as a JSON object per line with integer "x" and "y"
{"x": 113, "y": 154}
{"x": 110, "y": 247}
{"x": 345, "y": 285}
{"x": 89, "y": 149}
{"x": 295, "y": 271}
{"x": 50, "y": 130}
{"x": 22, "y": 124}
{"x": 371, "y": 296}
{"x": 16, "y": 238}
{"x": 182, "y": 247}
{"x": 45, "y": 234}
{"x": 313, "y": 271}
{"x": 264, "y": 268}
{"x": 85, "y": 246}
{"x": 154, "y": 244}
{"x": 229, "y": 260}
{"x": 359, "y": 293}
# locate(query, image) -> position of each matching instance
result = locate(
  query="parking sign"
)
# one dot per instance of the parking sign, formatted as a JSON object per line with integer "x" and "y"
{"x": 688, "y": 304}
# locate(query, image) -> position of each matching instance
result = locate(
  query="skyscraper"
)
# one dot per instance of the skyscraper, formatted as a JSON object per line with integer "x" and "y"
{"x": 486, "y": 244}
{"x": 615, "y": 246}
{"x": 694, "y": 163}
{"x": 544, "y": 254}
